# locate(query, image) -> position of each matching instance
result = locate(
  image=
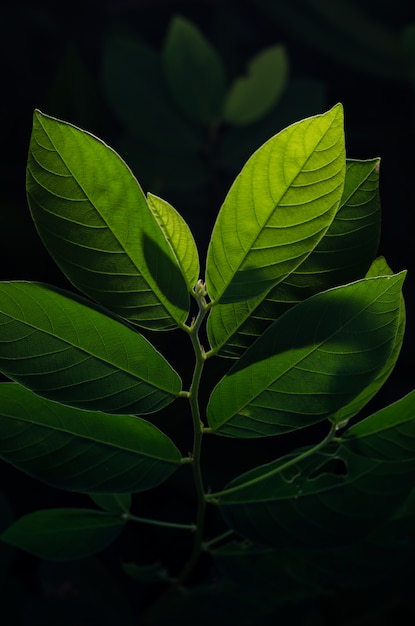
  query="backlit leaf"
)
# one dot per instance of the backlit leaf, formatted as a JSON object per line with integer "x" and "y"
{"x": 278, "y": 209}
{"x": 311, "y": 362}
{"x": 179, "y": 237}
{"x": 69, "y": 352}
{"x": 343, "y": 255}
{"x": 93, "y": 218}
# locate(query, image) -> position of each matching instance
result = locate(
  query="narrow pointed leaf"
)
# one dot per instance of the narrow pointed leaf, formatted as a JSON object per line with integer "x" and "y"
{"x": 388, "y": 434}
{"x": 178, "y": 235}
{"x": 253, "y": 96}
{"x": 194, "y": 71}
{"x": 64, "y": 534}
{"x": 72, "y": 353}
{"x": 311, "y": 362}
{"x": 94, "y": 220}
{"x": 84, "y": 451}
{"x": 343, "y": 255}
{"x": 278, "y": 209}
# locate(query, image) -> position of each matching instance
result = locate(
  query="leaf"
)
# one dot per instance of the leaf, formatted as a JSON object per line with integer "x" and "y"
{"x": 334, "y": 499}
{"x": 179, "y": 237}
{"x": 194, "y": 71}
{"x": 251, "y": 97}
{"x": 148, "y": 574}
{"x": 278, "y": 209}
{"x": 311, "y": 362}
{"x": 387, "y": 435}
{"x": 63, "y": 534}
{"x": 80, "y": 450}
{"x": 72, "y": 353}
{"x": 112, "y": 502}
{"x": 143, "y": 105}
{"x": 93, "y": 218}
{"x": 343, "y": 255}
{"x": 378, "y": 268}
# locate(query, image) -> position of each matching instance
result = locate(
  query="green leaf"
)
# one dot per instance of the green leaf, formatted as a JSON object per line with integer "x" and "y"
{"x": 112, "y": 502}
{"x": 278, "y": 209}
{"x": 64, "y": 534}
{"x": 72, "y": 353}
{"x": 253, "y": 96}
{"x": 378, "y": 268}
{"x": 194, "y": 71}
{"x": 93, "y": 218}
{"x": 80, "y": 450}
{"x": 343, "y": 255}
{"x": 388, "y": 434}
{"x": 332, "y": 499}
{"x": 148, "y": 574}
{"x": 179, "y": 237}
{"x": 136, "y": 91}
{"x": 311, "y": 362}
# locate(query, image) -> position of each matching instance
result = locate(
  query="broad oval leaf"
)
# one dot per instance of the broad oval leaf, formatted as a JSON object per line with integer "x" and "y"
{"x": 343, "y": 255}
{"x": 327, "y": 500}
{"x": 64, "y": 534}
{"x": 179, "y": 237}
{"x": 72, "y": 353}
{"x": 253, "y": 96}
{"x": 194, "y": 71}
{"x": 112, "y": 502}
{"x": 82, "y": 451}
{"x": 93, "y": 218}
{"x": 311, "y": 362}
{"x": 278, "y": 209}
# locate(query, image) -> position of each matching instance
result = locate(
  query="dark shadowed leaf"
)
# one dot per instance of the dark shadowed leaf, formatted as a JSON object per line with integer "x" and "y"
{"x": 82, "y": 450}
{"x": 64, "y": 534}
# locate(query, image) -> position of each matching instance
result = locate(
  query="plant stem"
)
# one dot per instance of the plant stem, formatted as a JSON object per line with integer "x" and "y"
{"x": 197, "y": 443}
{"x": 214, "y": 497}
{"x": 153, "y": 522}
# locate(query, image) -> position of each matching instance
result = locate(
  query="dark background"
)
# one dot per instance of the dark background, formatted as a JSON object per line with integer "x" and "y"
{"x": 360, "y": 53}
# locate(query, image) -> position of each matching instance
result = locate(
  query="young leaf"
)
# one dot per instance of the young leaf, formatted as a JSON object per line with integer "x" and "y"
{"x": 80, "y": 450}
{"x": 194, "y": 71}
{"x": 72, "y": 353}
{"x": 93, "y": 218}
{"x": 179, "y": 237}
{"x": 251, "y": 97}
{"x": 343, "y": 255}
{"x": 278, "y": 209}
{"x": 311, "y": 362}
{"x": 64, "y": 534}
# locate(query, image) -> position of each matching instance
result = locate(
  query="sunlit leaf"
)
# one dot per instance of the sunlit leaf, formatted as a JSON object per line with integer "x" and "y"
{"x": 179, "y": 237}
{"x": 278, "y": 209}
{"x": 194, "y": 71}
{"x": 311, "y": 362}
{"x": 81, "y": 450}
{"x": 251, "y": 97}
{"x": 94, "y": 220}
{"x": 63, "y": 534}
{"x": 343, "y": 255}
{"x": 72, "y": 353}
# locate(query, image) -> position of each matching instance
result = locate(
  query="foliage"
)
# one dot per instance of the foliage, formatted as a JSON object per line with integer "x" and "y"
{"x": 303, "y": 319}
